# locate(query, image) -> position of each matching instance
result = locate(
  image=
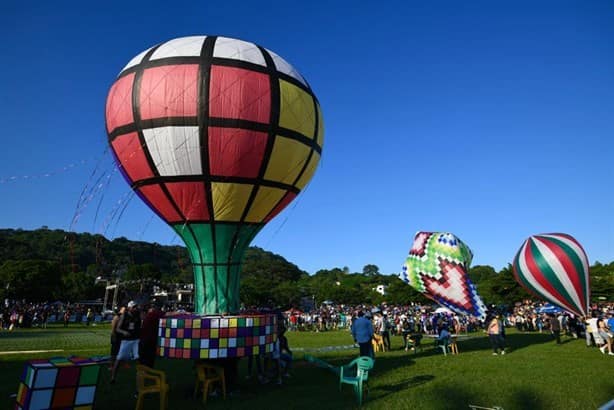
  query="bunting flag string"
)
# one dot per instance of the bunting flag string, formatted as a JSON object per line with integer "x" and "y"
{"x": 59, "y": 171}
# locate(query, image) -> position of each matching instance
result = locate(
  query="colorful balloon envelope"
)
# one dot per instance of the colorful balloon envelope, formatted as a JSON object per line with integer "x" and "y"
{"x": 437, "y": 266}
{"x": 217, "y": 136}
{"x": 554, "y": 267}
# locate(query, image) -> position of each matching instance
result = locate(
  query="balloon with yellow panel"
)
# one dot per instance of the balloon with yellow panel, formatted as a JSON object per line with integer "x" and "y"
{"x": 217, "y": 135}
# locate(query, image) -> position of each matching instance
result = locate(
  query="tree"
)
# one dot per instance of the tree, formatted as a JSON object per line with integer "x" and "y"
{"x": 399, "y": 292}
{"x": 34, "y": 280}
{"x": 502, "y": 288}
{"x": 370, "y": 270}
{"x": 481, "y": 272}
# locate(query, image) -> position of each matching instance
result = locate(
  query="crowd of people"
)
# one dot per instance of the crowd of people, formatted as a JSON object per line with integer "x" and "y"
{"x": 414, "y": 321}
{"x": 134, "y": 329}
{"x": 23, "y": 314}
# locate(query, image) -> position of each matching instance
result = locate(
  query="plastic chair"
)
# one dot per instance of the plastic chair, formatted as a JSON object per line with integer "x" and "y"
{"x": 443, "y": 345}
{"x": 150, "y": 381}
{"x": 357, "y": 379}
{"x": 206, "y": 376}
{"x": 453, "y": 346}
{"x": 378, "y": 343}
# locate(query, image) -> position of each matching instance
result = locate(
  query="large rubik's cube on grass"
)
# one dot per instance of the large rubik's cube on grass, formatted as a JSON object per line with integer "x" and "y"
{"x": 217, "y": 136}
{"x": 58, "y": 383}
{"x": 190, "y": 337}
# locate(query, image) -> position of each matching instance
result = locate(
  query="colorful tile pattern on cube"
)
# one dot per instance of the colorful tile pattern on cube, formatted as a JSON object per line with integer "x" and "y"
{"x": 58, "y": 383}
{"x": 214, "y": 337}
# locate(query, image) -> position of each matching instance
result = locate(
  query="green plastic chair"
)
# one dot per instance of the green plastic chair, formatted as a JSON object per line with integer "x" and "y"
{"x": 444, "y": 345}
{"x": 358, "y": 379}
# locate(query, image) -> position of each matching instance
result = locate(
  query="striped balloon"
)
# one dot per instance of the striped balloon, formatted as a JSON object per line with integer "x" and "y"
{"x": 555, "y": 267}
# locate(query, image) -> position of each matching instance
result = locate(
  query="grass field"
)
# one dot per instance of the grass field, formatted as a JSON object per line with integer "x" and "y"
{"x": 536, "y": 374}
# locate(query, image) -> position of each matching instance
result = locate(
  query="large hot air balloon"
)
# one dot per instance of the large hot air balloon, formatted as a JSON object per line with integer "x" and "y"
{"x": 217, "y": 136}
{"x": 555, "y": 267}
{"x": 437, "y": 267}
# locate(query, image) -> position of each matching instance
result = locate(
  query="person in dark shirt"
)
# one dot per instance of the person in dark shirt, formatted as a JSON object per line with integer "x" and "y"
{"x": 149, "y": 336}
{"x": 129, "y": 327}
{"x": 555, "y": 328}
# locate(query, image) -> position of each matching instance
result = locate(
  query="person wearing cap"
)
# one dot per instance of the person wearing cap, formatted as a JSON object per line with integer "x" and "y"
{"x": 129, "y": 327}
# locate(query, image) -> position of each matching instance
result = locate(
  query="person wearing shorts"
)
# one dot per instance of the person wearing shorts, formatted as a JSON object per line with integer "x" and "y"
{"x": 129, "y": 327}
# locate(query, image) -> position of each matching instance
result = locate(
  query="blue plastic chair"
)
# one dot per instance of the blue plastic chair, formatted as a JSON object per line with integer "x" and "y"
{"x": 358, "y": 378}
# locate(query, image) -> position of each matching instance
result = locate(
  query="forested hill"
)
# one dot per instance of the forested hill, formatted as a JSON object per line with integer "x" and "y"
{"x": 55, "y": 264}
{"x": 88, "y": 253}
{"x": 47, "y": 264}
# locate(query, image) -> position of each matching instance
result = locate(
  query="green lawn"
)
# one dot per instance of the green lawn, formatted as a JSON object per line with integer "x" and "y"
{"x": 536, "y": 374}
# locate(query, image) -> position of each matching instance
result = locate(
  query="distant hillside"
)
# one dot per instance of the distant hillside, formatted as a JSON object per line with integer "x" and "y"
{"x": 96, "y": 254}
{"x": 45, "y": 264}
{"x": 84, "y": 250}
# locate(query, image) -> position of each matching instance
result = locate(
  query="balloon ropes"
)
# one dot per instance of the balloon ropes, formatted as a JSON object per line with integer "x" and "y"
{"x": 437, "y": 266}
{"x": 217, "y": 136}
{"x": 555, "y": 267}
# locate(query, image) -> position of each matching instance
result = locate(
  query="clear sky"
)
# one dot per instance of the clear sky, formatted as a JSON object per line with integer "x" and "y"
{"x": 490, "y": 120}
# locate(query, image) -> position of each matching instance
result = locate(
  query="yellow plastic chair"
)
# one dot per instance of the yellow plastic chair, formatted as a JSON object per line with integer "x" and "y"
{"x": 378, "y": 343}
{"x": 453, "y": 346}
{"x": 206, "y": 376}
{"x": 359, "y": 378}
{"x": 150, "y": 381}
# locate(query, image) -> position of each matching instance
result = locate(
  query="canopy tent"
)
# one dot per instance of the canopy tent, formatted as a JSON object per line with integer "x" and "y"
{"x": 549, "y": 308}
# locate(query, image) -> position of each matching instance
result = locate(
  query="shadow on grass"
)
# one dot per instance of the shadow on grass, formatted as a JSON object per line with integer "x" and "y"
{"x": 456, "y": 397}
{"x": 527, "y": 399}
{"x": 480, "y": 342}
{"x": 406, "y": 384}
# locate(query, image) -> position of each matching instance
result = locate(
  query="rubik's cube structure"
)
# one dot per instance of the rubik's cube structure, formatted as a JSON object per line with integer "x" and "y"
{"x": 201, "y": 337}
{"x": 58, "y": 383}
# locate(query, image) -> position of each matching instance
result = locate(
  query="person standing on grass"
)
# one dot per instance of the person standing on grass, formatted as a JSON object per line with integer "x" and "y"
{"x": 129, "y": 327}
{"x": 385, "y": 331}
{"x": 116, "y": 338}
{"x": 89, "y": 316}
{"x": 555, "y": 328}
{"x": 149, "y": 336}
{"x": 362, "y": 332}
{"x": 605, "y": 333}
{"x": 285, "y": 353}
{"x": 66, "y": 317}
{"x": 495, "y": 334}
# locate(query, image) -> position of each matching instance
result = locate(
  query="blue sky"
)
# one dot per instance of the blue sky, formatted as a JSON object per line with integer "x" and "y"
{"x": 490, "y": 120}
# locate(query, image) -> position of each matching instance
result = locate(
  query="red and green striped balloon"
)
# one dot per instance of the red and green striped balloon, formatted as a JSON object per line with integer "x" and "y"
{"x": 554, "y": 267}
